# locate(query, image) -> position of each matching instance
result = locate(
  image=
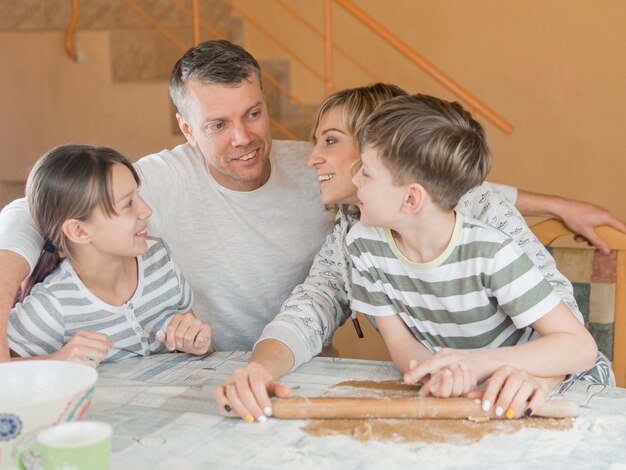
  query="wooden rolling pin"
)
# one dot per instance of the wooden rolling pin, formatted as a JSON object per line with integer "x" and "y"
{"x": 403, "y": 407}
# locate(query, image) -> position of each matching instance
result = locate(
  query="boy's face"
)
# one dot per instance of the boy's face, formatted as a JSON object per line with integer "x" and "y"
{"x": 380, "y": 199}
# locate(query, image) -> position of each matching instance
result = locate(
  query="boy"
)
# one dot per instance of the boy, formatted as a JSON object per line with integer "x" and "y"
{"x": 434, "y": 279}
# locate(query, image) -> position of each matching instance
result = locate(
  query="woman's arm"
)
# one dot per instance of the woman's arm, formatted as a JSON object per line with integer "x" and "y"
{"x": 307, "y": 321}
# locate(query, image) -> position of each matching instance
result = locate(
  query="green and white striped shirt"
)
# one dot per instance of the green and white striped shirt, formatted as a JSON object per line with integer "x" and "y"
{"x": 481, "y": 292}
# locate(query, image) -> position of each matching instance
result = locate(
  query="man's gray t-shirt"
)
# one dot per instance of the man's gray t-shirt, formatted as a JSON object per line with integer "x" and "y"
{"x": 242, "y": 252}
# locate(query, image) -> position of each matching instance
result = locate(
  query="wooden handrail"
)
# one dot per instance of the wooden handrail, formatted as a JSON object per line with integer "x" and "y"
{"x": 70, "y": 44}
{"x": 155, "y": 25}
{"x": 275, "y": 40}
{"x": 195, "y": 20}
{"x": 373, "y": 75}
{"x": 266, "y": 77}
{"x": 421, "y": 62}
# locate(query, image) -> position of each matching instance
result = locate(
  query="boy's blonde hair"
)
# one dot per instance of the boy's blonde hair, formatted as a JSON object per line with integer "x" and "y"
{"x": 430, "y": 141}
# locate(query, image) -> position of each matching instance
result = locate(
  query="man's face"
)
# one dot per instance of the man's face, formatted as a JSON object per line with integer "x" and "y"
{"x": 230, "y": 126}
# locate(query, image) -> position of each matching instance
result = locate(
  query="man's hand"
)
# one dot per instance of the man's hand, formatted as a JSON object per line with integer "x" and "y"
{"x": 583, "y": 218}
{"x": 580, "y": 217}
{"x": 187, "y": 334}
{"x": 247, "y": 392}
{"x": 85, "y": 347}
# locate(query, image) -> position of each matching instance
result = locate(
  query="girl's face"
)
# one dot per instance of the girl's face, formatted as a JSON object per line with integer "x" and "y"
{"x": 123, "y": 234}
{"x": 333, "y": 156}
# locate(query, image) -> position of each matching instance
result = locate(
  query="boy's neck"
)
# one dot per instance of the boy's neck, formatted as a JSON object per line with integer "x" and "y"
{"x": 424, "y": 237}
{"x": 113, "y": 280}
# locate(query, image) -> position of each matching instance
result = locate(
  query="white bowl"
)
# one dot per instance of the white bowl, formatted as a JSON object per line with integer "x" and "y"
{"x": 38, "y": 394}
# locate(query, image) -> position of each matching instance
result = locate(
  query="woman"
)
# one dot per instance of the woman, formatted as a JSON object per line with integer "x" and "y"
{"x": 321, "y": 304}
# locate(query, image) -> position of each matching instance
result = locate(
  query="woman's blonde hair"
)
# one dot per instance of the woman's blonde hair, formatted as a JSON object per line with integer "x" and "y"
{"x": 357, "y": 103}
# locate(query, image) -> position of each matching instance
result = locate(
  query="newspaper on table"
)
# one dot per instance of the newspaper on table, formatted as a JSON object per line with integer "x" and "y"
{"x": 164, "y": 416}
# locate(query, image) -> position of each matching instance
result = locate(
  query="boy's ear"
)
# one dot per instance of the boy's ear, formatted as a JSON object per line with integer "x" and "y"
{"x": 414, "y": 199}
{"x": 76, "y": 231}
{"x": 185, "y": 128}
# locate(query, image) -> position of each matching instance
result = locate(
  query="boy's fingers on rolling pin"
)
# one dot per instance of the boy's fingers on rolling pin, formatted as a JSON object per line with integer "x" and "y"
{"x": 469, "y": 379}
{"x": 458, "y": 380}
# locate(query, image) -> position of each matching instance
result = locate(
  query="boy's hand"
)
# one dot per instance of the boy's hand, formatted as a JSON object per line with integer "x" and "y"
{"x": 513, "y": 392}
{"x": 85, "y": 347}
{"x": 448, "y": 358}
{"x": 187, "y": 334}
{"x": 452, "y": 381}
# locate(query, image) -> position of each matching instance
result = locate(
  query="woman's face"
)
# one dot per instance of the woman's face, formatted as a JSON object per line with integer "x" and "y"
{"x": 333, "y": 156}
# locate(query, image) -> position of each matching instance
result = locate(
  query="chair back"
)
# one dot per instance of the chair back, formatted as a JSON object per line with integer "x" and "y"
{"x": 599, "y": 282}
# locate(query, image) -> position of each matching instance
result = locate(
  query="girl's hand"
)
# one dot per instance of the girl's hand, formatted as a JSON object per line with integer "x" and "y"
{"x": 513, "y": 392}
{"x": 187, "y": 334}
{"x": 85, "y": 347}
{"x": 453, "y": 381}
{"x": 247, "y": 392}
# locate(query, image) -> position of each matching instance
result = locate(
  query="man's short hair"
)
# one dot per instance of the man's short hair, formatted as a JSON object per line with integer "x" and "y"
{"x": 212, "y": 62}
{"x": 430, "y": 141}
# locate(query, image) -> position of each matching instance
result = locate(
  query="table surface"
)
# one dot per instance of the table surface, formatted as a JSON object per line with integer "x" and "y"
{"x": 164, "y": 417}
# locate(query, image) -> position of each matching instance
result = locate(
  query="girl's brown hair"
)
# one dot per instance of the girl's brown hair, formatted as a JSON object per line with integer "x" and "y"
{"x": 68, "y": 182}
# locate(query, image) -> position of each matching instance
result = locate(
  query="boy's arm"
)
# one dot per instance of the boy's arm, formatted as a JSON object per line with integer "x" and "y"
{"x": 402, "y": 345}
{"x": 565, "y": 346}
{"x": 580, "y": 217}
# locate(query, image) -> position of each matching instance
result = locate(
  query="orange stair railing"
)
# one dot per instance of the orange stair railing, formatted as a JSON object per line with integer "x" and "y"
{"x": 473, "y": 103}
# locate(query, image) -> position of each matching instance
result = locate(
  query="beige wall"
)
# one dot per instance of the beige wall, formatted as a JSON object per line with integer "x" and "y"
{"x": 48, "y": 100}
{"x": 555, "y": 69}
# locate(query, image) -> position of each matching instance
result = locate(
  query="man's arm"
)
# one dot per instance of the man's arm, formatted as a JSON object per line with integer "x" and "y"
{"x": 13, "y": 270}
{"x": 580, "y": 217}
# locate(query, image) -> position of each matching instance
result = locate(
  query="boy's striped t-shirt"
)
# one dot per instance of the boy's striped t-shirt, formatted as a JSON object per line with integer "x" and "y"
{"x": 481, "y": 292}
{"x": 61, "y": 306}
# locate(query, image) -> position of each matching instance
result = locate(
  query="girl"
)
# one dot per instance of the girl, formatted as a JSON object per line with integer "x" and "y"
{"x": 322, "y": 303}
{"x": 109, "y": 291}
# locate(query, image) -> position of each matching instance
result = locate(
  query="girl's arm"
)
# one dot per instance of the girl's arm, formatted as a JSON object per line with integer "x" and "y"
{"x": 85, "y": 347}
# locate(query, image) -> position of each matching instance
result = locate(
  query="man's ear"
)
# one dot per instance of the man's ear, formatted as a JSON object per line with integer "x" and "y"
{"x": 414, "y": 199}
{"x": 185, "y": 128}
{"x": 76, "y": 231}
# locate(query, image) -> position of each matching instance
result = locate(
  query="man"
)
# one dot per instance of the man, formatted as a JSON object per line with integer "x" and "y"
{"x": 240, "y": 212}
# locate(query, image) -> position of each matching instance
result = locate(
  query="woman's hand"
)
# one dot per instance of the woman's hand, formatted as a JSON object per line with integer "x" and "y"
{"x": 247, "y": 392}
{"x": 513, "y": 392}
{"x": 85, "y": 347}
{"x": 187, "y": 334}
